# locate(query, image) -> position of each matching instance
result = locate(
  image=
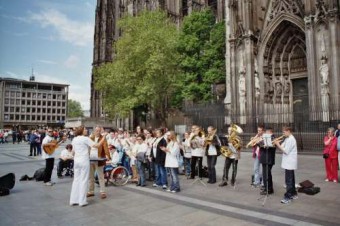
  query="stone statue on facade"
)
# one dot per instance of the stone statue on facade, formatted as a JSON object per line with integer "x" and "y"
{"x": 257, "y": 80}
{"x": 324, "y": 73}
{"x": 279, "y": 90}
{"x": 286, "y": 89}
{"x": 268, "y": 88}
{"x": 242, "y": 90}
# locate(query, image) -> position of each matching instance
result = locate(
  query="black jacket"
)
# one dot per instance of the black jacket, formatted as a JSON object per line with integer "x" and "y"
{"x": 160, "y": 155}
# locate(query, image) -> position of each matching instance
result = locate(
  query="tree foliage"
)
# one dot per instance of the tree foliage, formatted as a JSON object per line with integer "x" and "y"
{"x": 145, "y": 65}
{"x": 74, "y": 109}
{"x": 202, "y": 49}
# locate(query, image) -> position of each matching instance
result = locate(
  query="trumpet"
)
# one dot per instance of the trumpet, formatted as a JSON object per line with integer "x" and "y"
{"x": 279, "y": 139}
{"x": 254, "y": 140}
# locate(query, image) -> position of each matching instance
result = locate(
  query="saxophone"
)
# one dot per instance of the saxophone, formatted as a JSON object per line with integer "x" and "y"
{"x": 234, "y": 139}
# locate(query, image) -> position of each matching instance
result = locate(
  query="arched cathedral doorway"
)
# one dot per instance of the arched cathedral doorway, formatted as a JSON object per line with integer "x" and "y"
{"x": 285, "y": 79}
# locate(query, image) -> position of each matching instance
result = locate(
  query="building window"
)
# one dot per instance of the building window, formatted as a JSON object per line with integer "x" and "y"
{"x": 22, "y": 117}
{"x": 54, "y": 103}
{"x": 6, "y": 101}
{"x": 58, "y": 111}
{"x": 28, "y": 94}
{"x": 38, "y": 110}
{"x": 39, "y": 102}
{"x": 17, "y": 117}
{"x": 17, "y": 109}
{"x": 28, "y": 117}
{"x": 11, "y": 109}
{"x": 17, "y": 102}
{"x": 49, "y": 96}
{"x": 44, "y": 110}
{"x": 11, "y": 117}
{"x": 63, "y": 111}
{"x": 59, "y": 97}
{"x": 48, "y": 110}
{"x": 44, "y": 103}
{"x": 22, "y": 109}
{"x": 6, "y": 117}
{"x": 53, "y": 118}
{"x": 28, "y": 109}
{"x": 12, "y": 101}
{"x": 48, "y": 118}
{"x": 38, "y": 117}
{"x": 28, "y": 102}
{"x": 58, "y": 104}
{"x": 33, "y": 102}
{"x": 64, "y": 97}
{"x": 22, "y": 102}
{"x": 33, "y": 117}
{"x": 43, "y": 117}
{"x": 6, "y": 109}
{"x": 33, "y": 110}
{"x": 63, "y": 104}
{"x": 12, "y": 94}
{"x": 53, "y": 111}
{"x": 44, "y": 95}
{"x": 34, "y": 95}
{"x": 39, "y": 95}
{"x": 18, "y": 94}
{"x": 23, "y": 94}
{"x": 54, "y": 96}
{"x": 7, "y": 94}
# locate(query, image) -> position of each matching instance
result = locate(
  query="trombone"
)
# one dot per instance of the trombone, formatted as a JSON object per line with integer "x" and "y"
{"x": 254, "y": 140}
{"x": 279, "y": 139}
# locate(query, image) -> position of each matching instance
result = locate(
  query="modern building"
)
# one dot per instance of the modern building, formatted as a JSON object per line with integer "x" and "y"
{"x": 30, "y": 104}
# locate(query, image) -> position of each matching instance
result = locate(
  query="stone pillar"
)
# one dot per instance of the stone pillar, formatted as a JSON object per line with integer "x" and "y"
{"x": 311, "y": 63}
{"x": 227, "y": 100}
{"x": 334, "y": 28}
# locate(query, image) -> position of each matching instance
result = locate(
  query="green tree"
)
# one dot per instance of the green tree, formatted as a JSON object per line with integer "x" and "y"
{"x": 202, "y": 50}
{"x": 74, "y": 109}
{"x": 145, "y": 66}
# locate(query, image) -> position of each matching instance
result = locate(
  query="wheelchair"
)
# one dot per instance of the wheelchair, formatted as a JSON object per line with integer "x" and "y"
{"x": 67, "y": 168}
{"x": 116, "y": 175}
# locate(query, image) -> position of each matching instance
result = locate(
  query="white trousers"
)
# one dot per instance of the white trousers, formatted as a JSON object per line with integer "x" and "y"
{"x": 80, "y": 181}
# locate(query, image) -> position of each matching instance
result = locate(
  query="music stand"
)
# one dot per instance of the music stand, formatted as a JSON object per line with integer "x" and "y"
{"x": 199, "y": 175}
{"x": 267, "y": 139}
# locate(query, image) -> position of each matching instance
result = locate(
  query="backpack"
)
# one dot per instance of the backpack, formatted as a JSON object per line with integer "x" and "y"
{"x": 39, "y": 174}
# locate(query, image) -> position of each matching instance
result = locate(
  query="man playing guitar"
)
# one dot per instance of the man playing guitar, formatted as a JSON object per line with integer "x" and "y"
{"x": 49, "y": 158}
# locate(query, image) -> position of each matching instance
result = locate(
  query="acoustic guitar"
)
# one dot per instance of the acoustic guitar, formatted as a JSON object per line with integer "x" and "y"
{"x": 50, "y": 150}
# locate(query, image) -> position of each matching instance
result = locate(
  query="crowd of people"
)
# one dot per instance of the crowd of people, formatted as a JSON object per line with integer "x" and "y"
{"x": 160, "y": 156}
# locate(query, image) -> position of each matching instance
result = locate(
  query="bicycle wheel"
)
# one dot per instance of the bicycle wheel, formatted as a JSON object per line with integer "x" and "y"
{"x": 119, "y": 176}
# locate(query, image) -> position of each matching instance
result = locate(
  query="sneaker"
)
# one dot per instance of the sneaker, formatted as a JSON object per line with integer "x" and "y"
{"x": 155, "y": 185}
{"x": 224, "y": 183}
{"x": 174, "y": 191}
{"x": 294, "y": 197}
{"x": 326, "y": 180}
{"x": 164, "y": 187}
{"x": 49, "y": 184}
{"x": 285, "y": 201}
{"x": 168, "y": 190}
{"x": 335, "y": 181}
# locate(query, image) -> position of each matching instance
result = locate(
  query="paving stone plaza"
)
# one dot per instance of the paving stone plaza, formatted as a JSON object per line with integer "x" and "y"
{"x": 32, "y": 203}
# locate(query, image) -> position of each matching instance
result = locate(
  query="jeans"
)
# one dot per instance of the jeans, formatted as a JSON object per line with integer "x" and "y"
{"x": 267, "y": 181}
{"x": 39, "y": 149}
{"x": 174, "y": 186}
{"x": 141, "y": 173}
{"x": 290, "y": 184}
{"x": 230, "y": 162}
{"x": 161, "y": 175}
{"x": 33, "y": 148}
{"x": 194, "y": 159}
{"x": 187, "y": 166}
{"x": 48, "y": 169}
{"x": 211, "y": 161}
{"x": 257, "y": 171}
{"x": 151, "y": 170}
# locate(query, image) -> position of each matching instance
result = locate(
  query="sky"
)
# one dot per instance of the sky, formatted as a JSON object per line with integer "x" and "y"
{"x": 54, "y": 37}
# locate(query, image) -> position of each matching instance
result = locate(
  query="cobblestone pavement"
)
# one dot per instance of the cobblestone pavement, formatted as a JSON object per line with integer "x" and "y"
{"x": 32, "y": 203}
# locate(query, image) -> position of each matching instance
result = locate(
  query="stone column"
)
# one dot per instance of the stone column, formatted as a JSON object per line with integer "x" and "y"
{"x": 311, "y": 63}
{"x": 334, "y": 28}
{"x": 227, "y": 100}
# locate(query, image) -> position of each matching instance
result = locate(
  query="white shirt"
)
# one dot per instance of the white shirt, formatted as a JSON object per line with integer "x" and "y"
{"x": 198, "y": 152}
{"x": 81, "y": 146}
{"x": 114, "y": 158}
{"x": 171, "y": 159}
{"x": 289, "y": 155}
{"x": 187, "y": 148}
{"x": 46, "y": 140}
{"x": 143, "y": 147}
{"x": 66, "y": 154}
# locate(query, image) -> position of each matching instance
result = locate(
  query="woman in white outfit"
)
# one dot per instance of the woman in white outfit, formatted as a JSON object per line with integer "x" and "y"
{"x": 81, "y": 146}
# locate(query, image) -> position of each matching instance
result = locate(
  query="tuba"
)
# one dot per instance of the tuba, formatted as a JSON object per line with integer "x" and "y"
{"x": 234, "y": 139}
{"x": 208, "y": 140}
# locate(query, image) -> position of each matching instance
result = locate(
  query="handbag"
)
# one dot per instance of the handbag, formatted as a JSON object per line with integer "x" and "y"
{"x": 325, "y": 156}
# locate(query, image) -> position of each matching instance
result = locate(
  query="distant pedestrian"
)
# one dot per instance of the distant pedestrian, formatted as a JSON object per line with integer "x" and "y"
{"x": 14, "y": 136}
{"x": 33, "y": 144}
{"x": 330, "y": 155}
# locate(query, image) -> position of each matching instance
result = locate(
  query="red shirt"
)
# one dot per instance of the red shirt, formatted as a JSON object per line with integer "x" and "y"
{"x": 331, "y": 147}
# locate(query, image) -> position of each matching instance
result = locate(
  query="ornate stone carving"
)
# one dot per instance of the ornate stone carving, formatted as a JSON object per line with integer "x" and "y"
{"x": 257, "y": 80}
{"x": 320, "y": 9}
{"x": 286, "y": 89}
{"x": 285, "y": 6}
{"x": 242, "y": 86}
{"x": 278, "y": 95}
{"x": 268, "y": 88}
{"x": 324, "y": 71}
